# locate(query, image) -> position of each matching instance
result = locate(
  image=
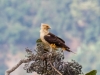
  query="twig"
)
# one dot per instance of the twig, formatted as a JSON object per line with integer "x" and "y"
{"x": 55, "y": 68}
{"x": 16, "y": 66}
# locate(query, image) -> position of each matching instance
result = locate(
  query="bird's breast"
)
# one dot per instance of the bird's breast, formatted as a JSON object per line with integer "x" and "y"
{"x": 43, "y": 40}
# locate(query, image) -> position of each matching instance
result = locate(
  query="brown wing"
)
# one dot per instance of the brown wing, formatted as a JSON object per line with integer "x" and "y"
{"x": 52, "y": 39}
{"x": 56, "y": 37}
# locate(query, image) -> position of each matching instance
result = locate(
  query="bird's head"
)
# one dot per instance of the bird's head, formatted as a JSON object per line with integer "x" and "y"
{"x": 45, "y": 26}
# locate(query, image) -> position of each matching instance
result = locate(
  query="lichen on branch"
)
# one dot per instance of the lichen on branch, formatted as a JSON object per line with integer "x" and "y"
{"x": 50, "y": 63}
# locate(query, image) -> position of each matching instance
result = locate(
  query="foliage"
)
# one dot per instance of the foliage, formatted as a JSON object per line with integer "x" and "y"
{"x": 93, "y": 72}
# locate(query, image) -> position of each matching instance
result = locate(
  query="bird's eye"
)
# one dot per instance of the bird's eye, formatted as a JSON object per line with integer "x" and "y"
{"x": 46, "y": 26}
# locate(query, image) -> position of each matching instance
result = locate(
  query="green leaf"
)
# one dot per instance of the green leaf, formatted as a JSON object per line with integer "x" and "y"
{"x": 38, "y": 40}
{"x": 93, "y": 72}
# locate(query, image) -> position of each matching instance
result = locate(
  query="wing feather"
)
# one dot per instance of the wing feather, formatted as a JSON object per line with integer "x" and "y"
{"x": 56, "y": 37}
{"x": 52, "y": 39}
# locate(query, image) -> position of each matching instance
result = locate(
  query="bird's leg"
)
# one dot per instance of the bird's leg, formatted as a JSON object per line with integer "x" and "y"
{"x": 53, "y": 46}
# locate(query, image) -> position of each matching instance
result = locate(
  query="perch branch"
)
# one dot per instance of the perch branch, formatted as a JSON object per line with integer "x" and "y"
{"x": 55, "y": 68}
{"x": 16, "y": 66}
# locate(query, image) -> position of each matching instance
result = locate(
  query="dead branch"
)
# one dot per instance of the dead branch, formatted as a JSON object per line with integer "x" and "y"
{"x": 16, "y": 66}
{"x": 55, "y": 68}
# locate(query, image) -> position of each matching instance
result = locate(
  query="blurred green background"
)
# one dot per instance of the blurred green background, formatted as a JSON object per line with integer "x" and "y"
{"x": 76, "y": 21}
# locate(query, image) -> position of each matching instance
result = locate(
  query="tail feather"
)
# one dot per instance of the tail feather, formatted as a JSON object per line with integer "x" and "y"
{"x": 65, "y": 47}
{"x": 68, "y": 49}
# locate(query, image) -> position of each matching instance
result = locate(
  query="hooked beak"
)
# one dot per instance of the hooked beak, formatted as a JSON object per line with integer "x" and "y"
{"x": 49, "y": 27}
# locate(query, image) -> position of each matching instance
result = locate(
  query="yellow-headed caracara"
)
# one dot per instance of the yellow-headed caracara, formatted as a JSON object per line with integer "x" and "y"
{"x": 52, "y": 40}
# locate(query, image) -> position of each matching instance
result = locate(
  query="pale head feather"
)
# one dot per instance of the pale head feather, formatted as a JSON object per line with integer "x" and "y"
{"x": 45, "y": 26}
{"x": 44, "y": 29}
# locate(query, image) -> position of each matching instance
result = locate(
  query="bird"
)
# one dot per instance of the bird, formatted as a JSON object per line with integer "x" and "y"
{"x": 51, "y": 40}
